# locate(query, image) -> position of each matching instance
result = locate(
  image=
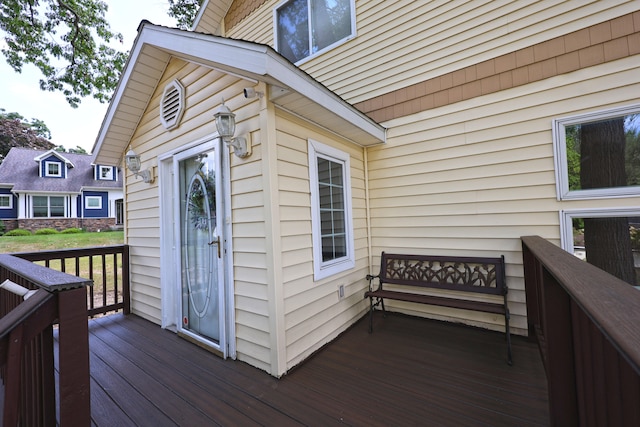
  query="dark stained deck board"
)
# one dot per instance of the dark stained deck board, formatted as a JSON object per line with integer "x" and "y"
{"x": 409, "y": 371}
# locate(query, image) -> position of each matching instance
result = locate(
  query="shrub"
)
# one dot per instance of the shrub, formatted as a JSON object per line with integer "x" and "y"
{"x": 18, "y": 232}
{"x": 72, "y": 230}
{"x": 46, "y": 231}
{"x": 2, "y": 227}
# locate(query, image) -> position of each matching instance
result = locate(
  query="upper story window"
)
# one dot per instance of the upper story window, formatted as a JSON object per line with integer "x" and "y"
{"x": 331, "y": 216}
{"x": 106, "y": 173}
{"x": 53, "y": 169}
{"x": 598, "y": 154}
{"x": 307, "y": 27}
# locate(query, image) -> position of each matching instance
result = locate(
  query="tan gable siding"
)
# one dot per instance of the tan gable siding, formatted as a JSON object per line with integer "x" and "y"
{"x": 313, "y": 312}
{"x": 256, "y": 26}
{"x": 472, "y": 177}
{"x": 239, "y": 10}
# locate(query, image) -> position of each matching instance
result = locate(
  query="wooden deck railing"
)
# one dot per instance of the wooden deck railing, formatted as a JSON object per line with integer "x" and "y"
{"x": 107, "y": 267}
{"x": 587, "y": 323}
{"x": 26, "y": 346}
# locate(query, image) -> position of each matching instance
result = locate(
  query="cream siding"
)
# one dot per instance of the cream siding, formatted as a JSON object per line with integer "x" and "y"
{"x": 204, "y": 89}
{"x": 313, "y": 313}
{"x": 444, "y": 36}
{"x": 472, "y": 177}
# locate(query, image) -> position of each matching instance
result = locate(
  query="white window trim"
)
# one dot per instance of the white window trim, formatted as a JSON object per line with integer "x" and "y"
{"x": 567, "y": 216}
{"x": 86, "y": 202}
{"x": 322, "y": 269}
{"x": 111, "y": 172}
{"x": 10, "y": 197}
{"x": 66, "y": 206}
{"x": 323, "y": 50}
{"x": 560, "y": 158}
{"x": 46, "y": 169}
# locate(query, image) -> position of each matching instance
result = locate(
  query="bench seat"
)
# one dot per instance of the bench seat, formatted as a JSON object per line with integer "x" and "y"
{"x": 461, "y": 274}
{"x": 486, "y": 307}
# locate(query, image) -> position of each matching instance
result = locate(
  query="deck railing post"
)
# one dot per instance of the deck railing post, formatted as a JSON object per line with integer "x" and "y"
{"x": 563, "y": 406}
{"x": 75, "y": 396}
{"x": 586, "y": 324}
{"x": 126, "y": 288}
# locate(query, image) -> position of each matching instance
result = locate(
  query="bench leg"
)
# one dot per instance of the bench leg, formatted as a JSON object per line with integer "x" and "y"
{"x": 508, "y": 335}
{"x": 370, "y": 314}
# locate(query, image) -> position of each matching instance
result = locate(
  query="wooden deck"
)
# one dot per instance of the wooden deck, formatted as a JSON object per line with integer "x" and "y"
{"x": 408, "y": 372}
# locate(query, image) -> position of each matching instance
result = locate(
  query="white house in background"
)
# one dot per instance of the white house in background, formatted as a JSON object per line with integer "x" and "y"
{"x": 411, "y": 127}
{"x": 48, "y": 189}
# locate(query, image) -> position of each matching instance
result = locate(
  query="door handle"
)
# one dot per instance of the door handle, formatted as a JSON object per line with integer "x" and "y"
{"x": 216, "y": 241}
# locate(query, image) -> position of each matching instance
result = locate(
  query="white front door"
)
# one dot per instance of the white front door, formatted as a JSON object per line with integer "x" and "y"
{"x": 200, "y": 254}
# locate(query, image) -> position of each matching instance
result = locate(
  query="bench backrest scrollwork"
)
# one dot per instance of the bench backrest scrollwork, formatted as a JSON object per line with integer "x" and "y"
{"x": 483, "y": 275}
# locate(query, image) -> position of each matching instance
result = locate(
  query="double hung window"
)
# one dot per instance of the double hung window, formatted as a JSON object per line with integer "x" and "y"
{"x": 106, "y": 173}
{"x": 332, "y": 223}
{"x": 53, "y": 169}
{"x": 307, "y": 27}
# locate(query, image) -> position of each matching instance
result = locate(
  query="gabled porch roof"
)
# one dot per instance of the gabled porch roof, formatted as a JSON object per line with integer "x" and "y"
{"x": 296, "y": 91}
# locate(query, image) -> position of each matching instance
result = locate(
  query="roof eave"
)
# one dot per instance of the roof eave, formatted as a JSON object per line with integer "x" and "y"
{"x": 247, "y": 59}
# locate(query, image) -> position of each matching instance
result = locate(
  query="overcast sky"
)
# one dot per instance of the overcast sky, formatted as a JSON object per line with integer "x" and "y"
{"x": 72, "y": 127}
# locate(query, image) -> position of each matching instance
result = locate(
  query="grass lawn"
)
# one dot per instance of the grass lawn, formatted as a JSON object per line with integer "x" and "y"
{"x": 48, "y": 242}
{"x": 102, "y": 291}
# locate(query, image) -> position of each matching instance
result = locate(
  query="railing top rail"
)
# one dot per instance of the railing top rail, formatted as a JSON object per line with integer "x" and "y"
{"x": 612, "y": 304}
{"x": 45, "y": 278}
{"x": 23, "y": 311}
{"x": 68, "y": 253}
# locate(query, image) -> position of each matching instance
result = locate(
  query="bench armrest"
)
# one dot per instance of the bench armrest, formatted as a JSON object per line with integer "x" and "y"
{"x": 370, "y": 279}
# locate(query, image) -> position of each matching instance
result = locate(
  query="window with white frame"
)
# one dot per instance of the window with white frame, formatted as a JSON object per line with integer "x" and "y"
{"x": 331, "y": 216}
{"x": 52, "y": 169}
{"x": 48, "y": 206}
{"x": 6, "y": 201}
{"x": 307, "y": 27}
{"x": 106, "y": 173}
{"x": 598, "y": 154}
{"x": 93, "y": 202}
{"x": 608, "y": 238}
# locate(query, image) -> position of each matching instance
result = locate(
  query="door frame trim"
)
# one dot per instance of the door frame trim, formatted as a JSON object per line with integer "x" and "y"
{"x": 168, "y": 251}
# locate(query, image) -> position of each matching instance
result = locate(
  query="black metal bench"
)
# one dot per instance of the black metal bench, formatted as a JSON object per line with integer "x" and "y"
{"x": 464, "y": 274}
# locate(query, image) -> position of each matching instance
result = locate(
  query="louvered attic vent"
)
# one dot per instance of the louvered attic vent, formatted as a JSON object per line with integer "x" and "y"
{"x": 172, "y": 105}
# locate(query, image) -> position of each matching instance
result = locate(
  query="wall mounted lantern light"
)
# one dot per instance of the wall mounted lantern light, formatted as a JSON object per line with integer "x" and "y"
{"x": 134, "y": 164}
{"x": 226, "y": 125}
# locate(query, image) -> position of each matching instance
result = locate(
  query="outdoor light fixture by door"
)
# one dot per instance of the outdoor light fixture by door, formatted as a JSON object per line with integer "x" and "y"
{"x": 226, "y": 125}
{"x": 134, "y": 164}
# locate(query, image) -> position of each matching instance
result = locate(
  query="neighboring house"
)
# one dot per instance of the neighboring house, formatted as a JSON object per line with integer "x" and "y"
{"x": 48, "y": 189}
{"x": 424, "y": 127}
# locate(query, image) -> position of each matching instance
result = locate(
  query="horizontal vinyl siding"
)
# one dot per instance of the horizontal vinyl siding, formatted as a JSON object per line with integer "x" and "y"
{"x": 257, "y": 26}
{"x": 471, "y": 178}
{"x": 204, "y": 90}
{"x": 253, "y": 334}
{"x": 401, "y": 43}
{"x": 444, "y": 36}
{"x": 313, "y": 313}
